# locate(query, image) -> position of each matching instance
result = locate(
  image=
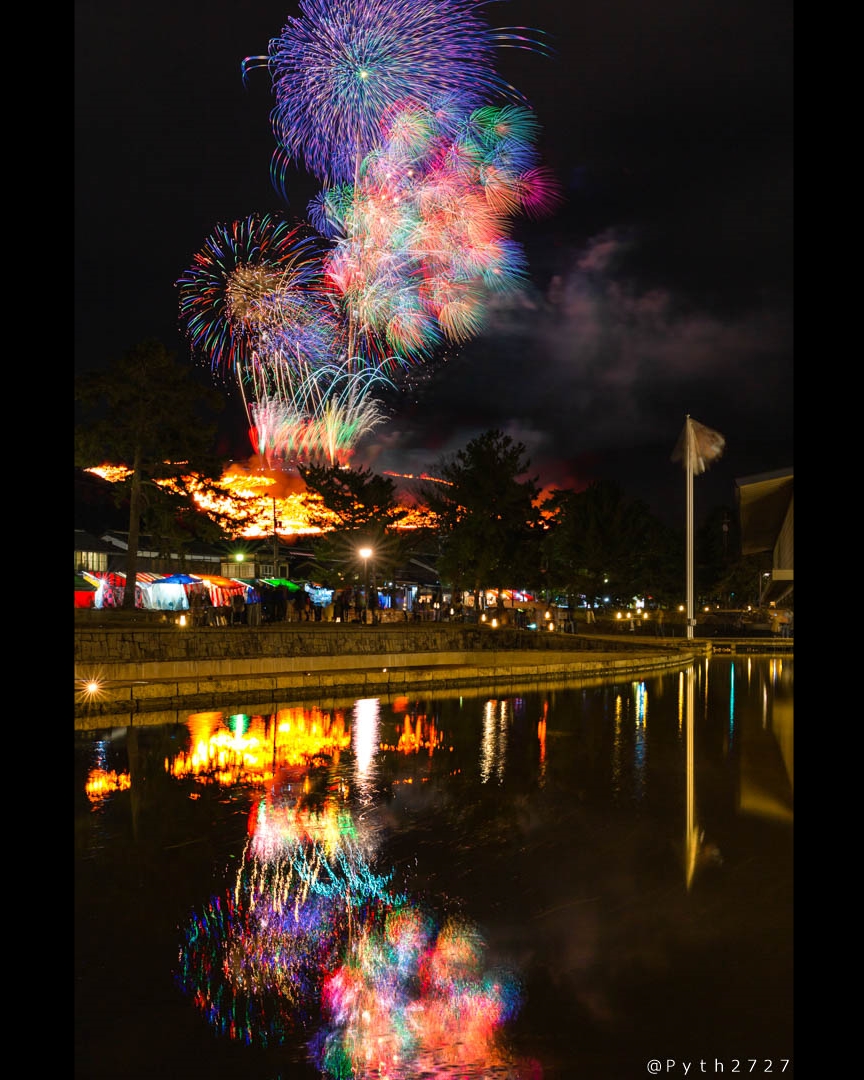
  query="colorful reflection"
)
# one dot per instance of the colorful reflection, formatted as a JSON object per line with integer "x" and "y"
{"x": 313, "y": 937}
{"x": 412, "y": 1000}
{"x": 241, "y": 749}
{"x": 101, "y": 783}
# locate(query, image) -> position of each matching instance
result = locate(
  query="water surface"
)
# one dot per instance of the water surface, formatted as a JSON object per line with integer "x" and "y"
{"x": 554, "y": 884}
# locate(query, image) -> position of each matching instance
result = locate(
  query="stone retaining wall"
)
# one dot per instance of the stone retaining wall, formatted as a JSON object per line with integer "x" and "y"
{"x": 142, "y": 671}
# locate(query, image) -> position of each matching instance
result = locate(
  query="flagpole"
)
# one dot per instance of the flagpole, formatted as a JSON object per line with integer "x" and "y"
{"x": 688, "y": 457}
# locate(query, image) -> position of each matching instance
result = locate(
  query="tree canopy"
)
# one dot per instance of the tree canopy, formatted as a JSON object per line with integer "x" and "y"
{"x": 148, "y": 412}
{"x": 486, "y": 515}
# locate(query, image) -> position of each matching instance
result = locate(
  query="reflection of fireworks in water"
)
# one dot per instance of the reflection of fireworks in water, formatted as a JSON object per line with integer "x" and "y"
{"x": 310, "y": 928}
{"x": 410, "y": 1001}
{"x": 254, "y": 962}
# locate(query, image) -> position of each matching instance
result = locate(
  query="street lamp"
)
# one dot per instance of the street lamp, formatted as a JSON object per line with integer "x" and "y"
{"x": 365, "y": 554}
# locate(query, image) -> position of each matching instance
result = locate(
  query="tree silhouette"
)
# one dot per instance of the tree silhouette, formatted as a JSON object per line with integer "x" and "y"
{"x": 488, "y": 522}
{"x": 146, "y": 412}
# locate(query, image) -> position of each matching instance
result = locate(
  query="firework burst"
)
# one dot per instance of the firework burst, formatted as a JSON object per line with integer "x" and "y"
{"x": 427, "y": 154}
{"x": 248, "y": 276}
{"x": 340, "y": 66}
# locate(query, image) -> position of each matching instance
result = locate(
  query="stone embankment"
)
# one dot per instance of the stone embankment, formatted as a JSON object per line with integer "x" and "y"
{"x": 144, "y": 671}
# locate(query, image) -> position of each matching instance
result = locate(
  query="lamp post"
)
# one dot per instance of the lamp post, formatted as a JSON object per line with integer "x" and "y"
{"x": 365, "y": 554}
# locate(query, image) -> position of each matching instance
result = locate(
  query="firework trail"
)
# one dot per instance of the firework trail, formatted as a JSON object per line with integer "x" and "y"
{"x": 328, "y": 412}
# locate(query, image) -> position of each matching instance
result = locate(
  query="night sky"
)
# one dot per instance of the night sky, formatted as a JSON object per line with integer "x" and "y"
{"x": 661, "y": 286}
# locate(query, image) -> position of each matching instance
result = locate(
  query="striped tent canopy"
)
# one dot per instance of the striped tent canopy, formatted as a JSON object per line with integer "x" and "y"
{"x": 222, "y": 589}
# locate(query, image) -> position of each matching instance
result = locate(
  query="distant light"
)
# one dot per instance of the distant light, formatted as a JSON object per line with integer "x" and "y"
{"x": 239, "y": 556}
{"x": 494, "y": 622}
{"x": 617, "y": 614}
{"x": 182, "y": 620}
{"x": 365, "y": 552}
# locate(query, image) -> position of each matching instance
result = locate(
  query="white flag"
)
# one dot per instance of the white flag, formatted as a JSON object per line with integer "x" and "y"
{"x": 706, "y": 445}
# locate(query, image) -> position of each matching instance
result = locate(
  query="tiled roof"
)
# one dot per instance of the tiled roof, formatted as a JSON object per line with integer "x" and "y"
{"x": 85, "y": 541}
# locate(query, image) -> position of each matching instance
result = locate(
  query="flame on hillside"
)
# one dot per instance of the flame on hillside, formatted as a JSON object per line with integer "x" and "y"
{"x": 260, "y": 501}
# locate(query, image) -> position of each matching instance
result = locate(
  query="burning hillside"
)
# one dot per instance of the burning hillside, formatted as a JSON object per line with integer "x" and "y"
{"x": 260, "y": 500}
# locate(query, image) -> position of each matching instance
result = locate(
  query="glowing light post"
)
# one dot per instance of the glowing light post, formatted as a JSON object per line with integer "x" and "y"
{"x": 365, "y": 554}
{"x": 761, "y": 581}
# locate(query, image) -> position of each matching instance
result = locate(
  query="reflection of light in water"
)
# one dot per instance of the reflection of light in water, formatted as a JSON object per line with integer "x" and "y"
{"x": 101, "y": 783}
{"x": 541, "y": 735}
{"x": 640, "y": 695}
{"x": 487, "y": 745}
{"x": 705, "y": 666}
{"x": 493, "y": 747}
{"x": 418, "y": 734}
{"x": 398, "y": 996}
{"x": 503, "y": 730}
{"x": 616, "y": 746}
{"x": 691, "y": 838}
{"x": 731, "y": 705}
{"x": 409, "y": 1002}
{"x": 681, "y": 700}
{"x": 251, "y": 749}
{"x": 365, "y": 742}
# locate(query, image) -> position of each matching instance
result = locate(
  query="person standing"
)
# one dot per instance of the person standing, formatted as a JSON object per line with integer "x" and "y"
{"x": 238, "y": 610}
{"x": 281, "y": 603}
{"x": 253, "y": 608}
{"x": 301, "y": 605}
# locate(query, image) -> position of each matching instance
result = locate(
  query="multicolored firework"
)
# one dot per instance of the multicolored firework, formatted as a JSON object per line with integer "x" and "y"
{"x": 341, "y": 65}
{"x": 427, "y": 154}
{"x": 249, "y": 278}
{"x": 423, "y": 243}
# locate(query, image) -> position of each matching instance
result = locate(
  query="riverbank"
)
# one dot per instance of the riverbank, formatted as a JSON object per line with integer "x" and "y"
{"x": 140, "y": 670}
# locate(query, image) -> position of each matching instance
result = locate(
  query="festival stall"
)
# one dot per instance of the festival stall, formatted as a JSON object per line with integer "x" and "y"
{"x": 172, "y": 593}
{"x": 111, "y": 588}
{"x": 85, "y": 591}
{"x": 223, "y": 589}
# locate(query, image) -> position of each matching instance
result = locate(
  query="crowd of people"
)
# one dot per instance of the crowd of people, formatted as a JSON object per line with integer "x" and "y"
{"x": 279, "y": 604}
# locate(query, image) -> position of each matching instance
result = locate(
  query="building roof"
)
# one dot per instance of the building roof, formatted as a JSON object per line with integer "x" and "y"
{"x": 85, "y": 541}
{"x": 118, "y": 540}
{"x": 763, "y": 502}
